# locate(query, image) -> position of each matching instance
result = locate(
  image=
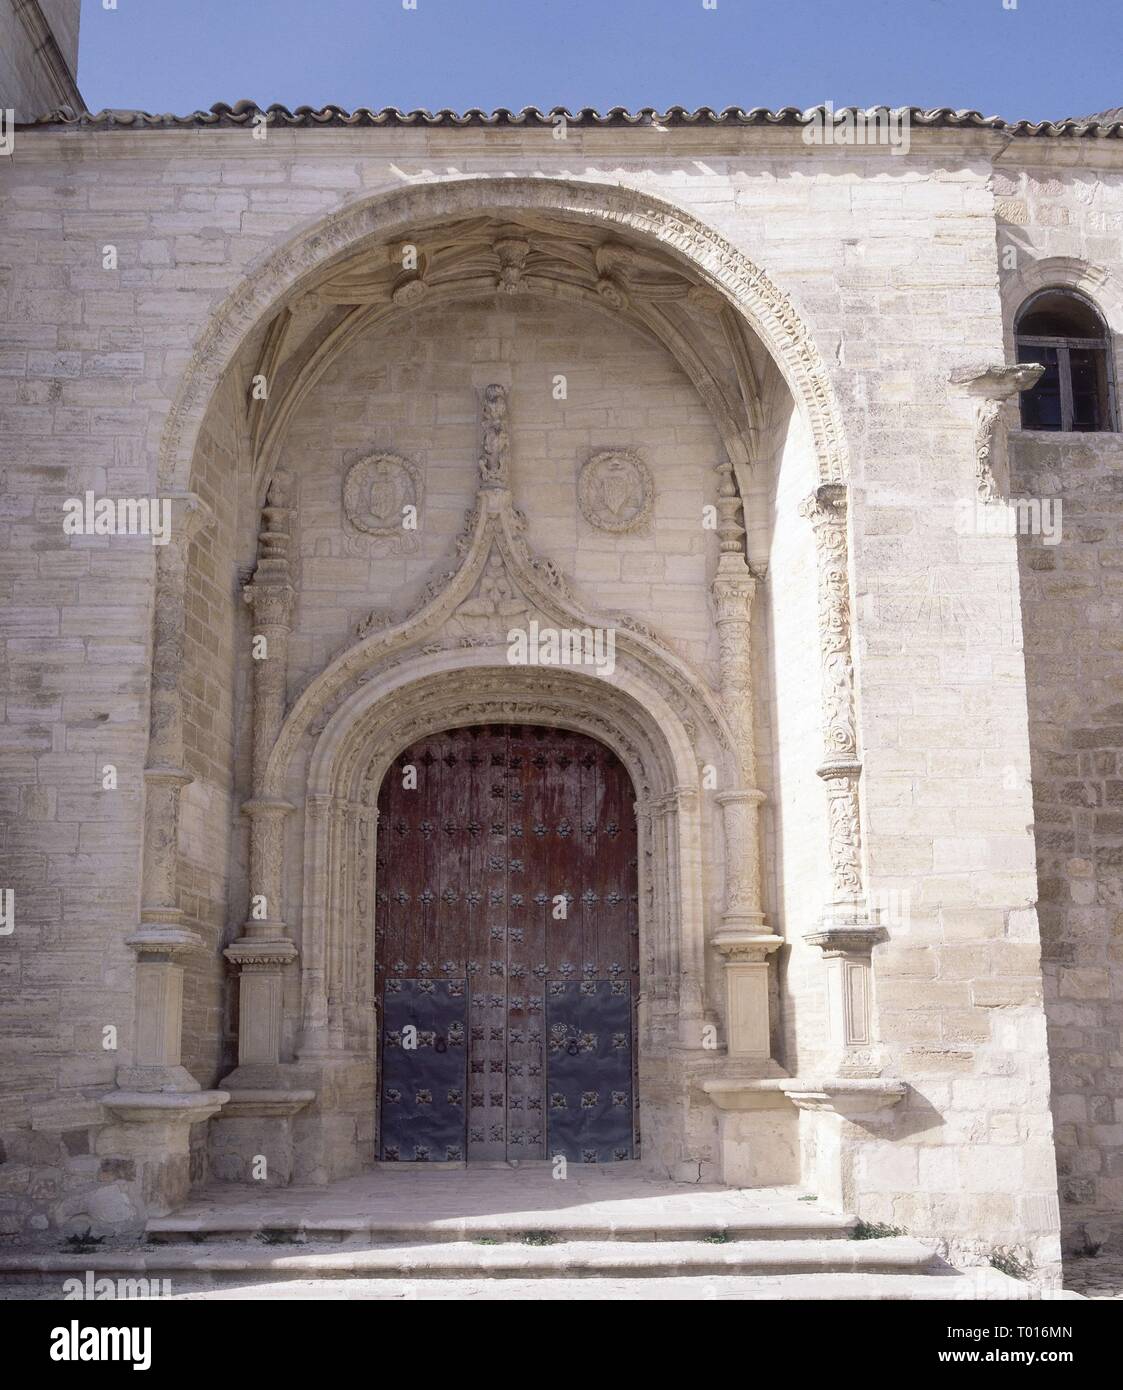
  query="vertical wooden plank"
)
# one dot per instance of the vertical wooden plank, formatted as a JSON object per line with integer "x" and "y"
{"x": 488, "y": 965}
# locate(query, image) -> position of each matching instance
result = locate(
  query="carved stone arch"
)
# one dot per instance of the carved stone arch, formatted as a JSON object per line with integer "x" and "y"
{"x": 452, "y": 689}
{"x": 631, "y": 717}
{"x": 495, "y": 525}
{"x": 427, "y": 673}
{"x": 293, "y": 268}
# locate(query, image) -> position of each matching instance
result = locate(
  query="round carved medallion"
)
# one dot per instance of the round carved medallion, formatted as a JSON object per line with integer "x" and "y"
{"x": 616, "y": 490}
{"x": 376, "y": 494}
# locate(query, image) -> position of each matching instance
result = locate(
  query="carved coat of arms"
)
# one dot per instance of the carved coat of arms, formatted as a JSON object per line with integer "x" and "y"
{"x": 616, "y": 490}
{"x": 382, "y": 498}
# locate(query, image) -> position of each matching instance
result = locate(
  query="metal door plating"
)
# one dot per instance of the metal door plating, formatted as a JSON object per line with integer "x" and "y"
{"x": 506, "y": 908}
{"x": 423, "y": 1071}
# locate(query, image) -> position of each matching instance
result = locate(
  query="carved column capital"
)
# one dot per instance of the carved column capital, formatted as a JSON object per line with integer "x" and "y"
{"x": 847, "y": 940}
{"x": 755, "y": 946}
{"x": 733, "y": 592}
{"x": 826, "y": 506}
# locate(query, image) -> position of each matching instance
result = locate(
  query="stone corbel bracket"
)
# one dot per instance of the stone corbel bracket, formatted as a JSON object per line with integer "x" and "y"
{"x": 856, "y": 1099}
{"x": 992, "y": 386}
{"x": 264, "y": 1104}
{"x": 851, "y": 1097}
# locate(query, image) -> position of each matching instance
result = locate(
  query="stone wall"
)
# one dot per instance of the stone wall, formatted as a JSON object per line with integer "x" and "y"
{"x": 416, "y": 392}
{"x": 215, "y": 676}
{"x": 1072, "y": 595}
{"x": 892, "y": 267}
{"x": 1061, "y": 226}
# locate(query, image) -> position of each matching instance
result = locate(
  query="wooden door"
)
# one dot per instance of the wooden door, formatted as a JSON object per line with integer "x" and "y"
{"x": 507, "y": 940}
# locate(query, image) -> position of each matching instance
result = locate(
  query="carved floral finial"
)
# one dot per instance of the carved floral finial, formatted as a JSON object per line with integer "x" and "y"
{"x": 496, "y": 440}
{"x": 280, "y": 489}
{"x": 512, "y": 253}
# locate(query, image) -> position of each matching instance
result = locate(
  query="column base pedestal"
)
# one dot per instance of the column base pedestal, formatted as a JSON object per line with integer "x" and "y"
{"x": 152, "y": 1131}
{"x": 774, "y": 1131}
{"x": 758, "y": 1132}
{"x": 254, "y": 1139}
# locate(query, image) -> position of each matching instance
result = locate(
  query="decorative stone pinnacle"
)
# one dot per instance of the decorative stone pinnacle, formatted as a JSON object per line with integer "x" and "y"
{"x": 512, "y": 253}
{"x": 496, "y": 439}
{"x": 730, "y": 527}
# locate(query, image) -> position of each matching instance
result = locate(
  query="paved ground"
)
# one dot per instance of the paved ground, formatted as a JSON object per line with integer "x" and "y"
{"x": 503, "y": 1199}
{"x": 1098, "y": 1278}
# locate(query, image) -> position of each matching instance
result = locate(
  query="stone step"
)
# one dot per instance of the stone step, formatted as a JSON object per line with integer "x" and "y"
{"x": 973, "y": 1286}
{"x": 976, "y": 1285}
{"x": 444, "y": 1260}
{"x": 505, "y": 1227}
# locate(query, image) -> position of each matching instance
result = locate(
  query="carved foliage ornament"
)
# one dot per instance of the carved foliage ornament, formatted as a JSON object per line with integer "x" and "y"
{"x": 616, "y": 491}
{"x": 826, "y": 510}
{"x": 376, "y": 494}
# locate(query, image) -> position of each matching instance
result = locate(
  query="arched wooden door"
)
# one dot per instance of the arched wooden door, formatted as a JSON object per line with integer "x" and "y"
{"x": 507, "y": 949}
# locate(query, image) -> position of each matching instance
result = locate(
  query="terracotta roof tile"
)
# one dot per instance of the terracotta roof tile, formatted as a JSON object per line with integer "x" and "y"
{"x": 1106, "y": 123}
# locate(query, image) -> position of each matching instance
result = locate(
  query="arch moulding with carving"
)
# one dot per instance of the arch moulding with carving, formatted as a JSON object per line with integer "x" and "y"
{"x": 286, "y": 273}
{"x": 436, "y": 691}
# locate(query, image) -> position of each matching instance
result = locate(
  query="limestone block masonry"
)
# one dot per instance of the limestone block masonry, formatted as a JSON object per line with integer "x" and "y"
{"x": 711, "y": 392}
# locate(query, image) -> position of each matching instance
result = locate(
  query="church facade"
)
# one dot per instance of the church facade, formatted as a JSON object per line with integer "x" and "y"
{"x": 564, "y": 635}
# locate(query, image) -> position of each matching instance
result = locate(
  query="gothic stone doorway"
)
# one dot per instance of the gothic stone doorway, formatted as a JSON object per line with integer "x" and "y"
{"x": 506, "y": 935}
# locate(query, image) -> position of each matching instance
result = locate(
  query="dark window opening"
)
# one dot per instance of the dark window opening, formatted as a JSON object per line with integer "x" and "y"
{"x": 1064, "y": 332}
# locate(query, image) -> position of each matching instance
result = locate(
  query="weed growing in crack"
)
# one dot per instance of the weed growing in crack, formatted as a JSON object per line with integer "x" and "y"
{"x": 874, "y": 1230}
{"x": 84, "y": 1243}
{"x": 1007, "y": 1263}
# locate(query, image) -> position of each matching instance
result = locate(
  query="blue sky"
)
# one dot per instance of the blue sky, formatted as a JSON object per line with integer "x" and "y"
{"x": 1038, "y": 59}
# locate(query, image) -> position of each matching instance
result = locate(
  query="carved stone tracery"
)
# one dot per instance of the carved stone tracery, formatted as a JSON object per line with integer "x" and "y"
{"x": 463, "y": 619}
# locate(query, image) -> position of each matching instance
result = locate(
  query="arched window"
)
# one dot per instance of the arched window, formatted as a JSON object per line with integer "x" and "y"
{"x": 1063, "y": 330}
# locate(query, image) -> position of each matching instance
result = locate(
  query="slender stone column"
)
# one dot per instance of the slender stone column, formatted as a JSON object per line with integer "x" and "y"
{"x": 157, "y": 1101}
{"x": 314, "y": 1038}
{"x": 264, "y": 948}
{"x": 162, "y": 937}
{"x": 846, "y": 933}
{"x": 683, "y": 827}
{"x": 743, "y": 938}
{"x": 841, "y": 768}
